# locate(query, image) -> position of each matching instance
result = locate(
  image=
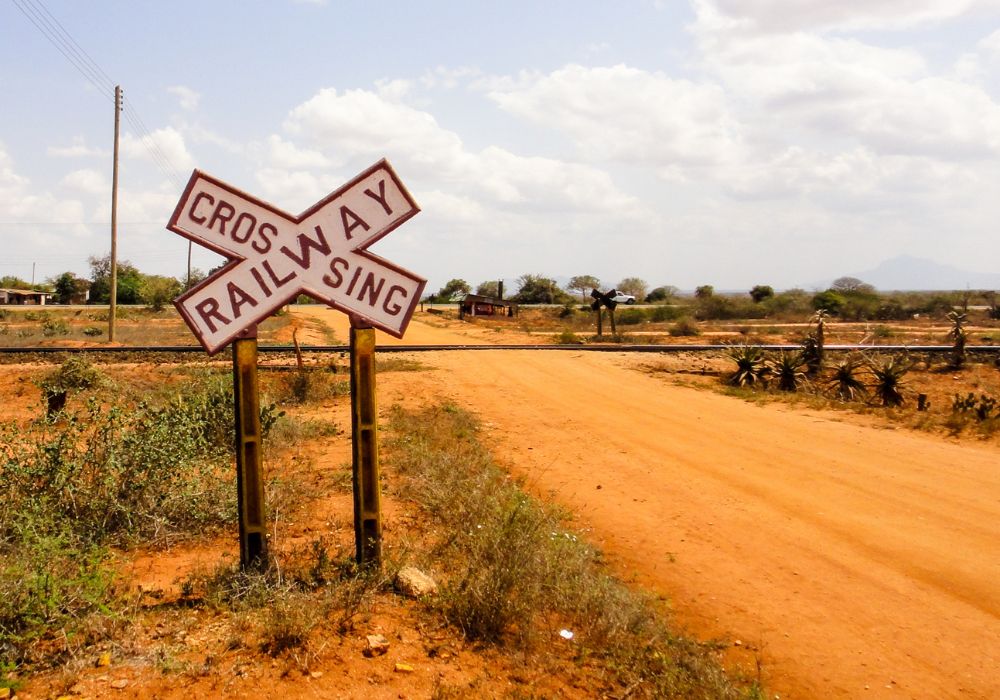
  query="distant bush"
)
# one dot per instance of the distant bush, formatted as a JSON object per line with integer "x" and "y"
{"x": 631, "y": 317}
{"x": 685, "y": 327}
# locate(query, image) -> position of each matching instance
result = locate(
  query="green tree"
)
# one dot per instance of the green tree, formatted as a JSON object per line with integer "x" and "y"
{"x": 489, "y": 289}
{"x": 667, "y": 291}
{"x": 536, "y": 289}
{"x": 448, "y": 292}
{"x": 634, "y": 286}
{"x": 11, "y": 282}
{"x": 583, "y": 284}
{"x": 67, "y": 286}
{"x": 705, "y": 291}
{"x": 129, "y": 281}
{"x": 761, "y": 292}
{"x": 157, "y": 290}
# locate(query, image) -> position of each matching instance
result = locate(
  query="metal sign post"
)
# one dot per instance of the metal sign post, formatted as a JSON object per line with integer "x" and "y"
{"x": 273, "y": 258}
{"x": 249, "y": 460}
{"x": 364, "y": 434}
{"x": 602, "y": 300}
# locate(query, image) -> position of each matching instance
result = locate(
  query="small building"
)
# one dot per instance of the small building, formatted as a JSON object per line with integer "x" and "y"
{"x": 24, "y": 297}
{"x": 477, "y": 305}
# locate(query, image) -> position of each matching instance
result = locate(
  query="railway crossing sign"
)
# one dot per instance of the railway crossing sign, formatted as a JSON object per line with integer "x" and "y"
{"x": 608, "y": 300}
{"x": 274, "y": 256}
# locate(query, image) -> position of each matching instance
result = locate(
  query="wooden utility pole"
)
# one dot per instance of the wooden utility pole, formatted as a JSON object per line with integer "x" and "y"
{"x": 364, "y": 438}
{"x": 249, "y": 454}
{"x": 114, "y": 221}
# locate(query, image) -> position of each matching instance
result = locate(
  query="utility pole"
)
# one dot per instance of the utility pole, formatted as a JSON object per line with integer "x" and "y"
{"x": 114, "y": 221}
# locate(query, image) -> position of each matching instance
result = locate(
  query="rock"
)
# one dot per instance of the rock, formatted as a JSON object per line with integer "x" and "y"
{"x": 404, "y": 668}
{"x": 316, "y": 674}
{"x": 412, "y": 582}
{"x": 119, "y": 684}
{"x": 377, "y": 645}
{"x": 104, "y": 659}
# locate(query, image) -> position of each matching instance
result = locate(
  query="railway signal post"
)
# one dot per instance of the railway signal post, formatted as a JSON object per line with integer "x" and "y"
{"x": 601, "y": 300}
{"x": 273, "y": 258}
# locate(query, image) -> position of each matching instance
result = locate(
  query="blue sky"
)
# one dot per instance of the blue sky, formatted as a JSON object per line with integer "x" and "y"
{"x": 725, "y": 142}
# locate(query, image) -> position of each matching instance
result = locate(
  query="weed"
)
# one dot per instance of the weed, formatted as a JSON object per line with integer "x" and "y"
{"x": 514, "y": 571}
{"x": 685, "y": 327}
{"x": 789, "y": 369}
{"x": 93, "y": 331}
{"x": 845, "y": 381}
{"x": 888, "y": 375}
{"x": 568, "y": 337}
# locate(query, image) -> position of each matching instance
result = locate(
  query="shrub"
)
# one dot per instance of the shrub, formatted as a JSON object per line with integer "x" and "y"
{"x": 751, "y": 366}
{"x": 54, "y": 326}
{"x": 568, "y": 338}
{"x": 982, "y": 407}
{"x": 888, "y": 375}
{"x": 664, "y": 313}
{"x": 845, "y": 381}
{"x": 685, "y": 327}
{"x": 631, "y": 317}
{"x": 789, "y": 369}
{"x": 93, "y": 331}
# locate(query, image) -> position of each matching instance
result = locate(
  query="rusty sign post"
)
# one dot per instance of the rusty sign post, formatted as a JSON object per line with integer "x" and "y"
{"x": 273, "y": 258}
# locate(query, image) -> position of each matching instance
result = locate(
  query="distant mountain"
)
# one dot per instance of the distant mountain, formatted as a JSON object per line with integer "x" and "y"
{"x": 907, "y": 273}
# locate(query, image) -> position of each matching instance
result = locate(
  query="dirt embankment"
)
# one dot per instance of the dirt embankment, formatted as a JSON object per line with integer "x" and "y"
{"x": 853, "y": 561}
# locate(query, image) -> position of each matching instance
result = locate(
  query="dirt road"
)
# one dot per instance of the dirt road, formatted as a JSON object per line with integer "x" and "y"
{"x": 856, "y": 562}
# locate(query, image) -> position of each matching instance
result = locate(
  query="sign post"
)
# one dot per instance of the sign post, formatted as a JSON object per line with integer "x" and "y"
{"x": 273, "y": 258}
{"x": 364, "y": 435}
{"x": 600, "y": 300}
{"x": 249, "y": 460}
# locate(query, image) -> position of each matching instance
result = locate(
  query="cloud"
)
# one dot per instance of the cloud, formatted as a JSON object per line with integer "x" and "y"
{"x": 627, "y": 114}
{"x": 88, "y": 182}
{"x": 284, "y": 154}
{"x": 776, "y": 16}
{"x": 187, "y": 97}
{"x": 165, "y": 147}
{"x": 78, "y": 149}
{"x": 360, "y": 125}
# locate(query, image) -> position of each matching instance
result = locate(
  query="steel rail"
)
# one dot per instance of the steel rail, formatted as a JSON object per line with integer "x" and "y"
{"x": 43, "y": 350}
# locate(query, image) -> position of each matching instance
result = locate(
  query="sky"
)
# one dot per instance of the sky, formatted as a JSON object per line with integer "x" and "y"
{"x": 685, "y": 142}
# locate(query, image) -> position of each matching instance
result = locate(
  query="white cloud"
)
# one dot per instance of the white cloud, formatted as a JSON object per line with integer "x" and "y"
{"x": 284, "y": 154}
{"x": 187, "y": 97}
{"x": 88, "y": 182}
{"x": 448, "y": 78}
{"x": 359, "y": 124}
{"x": 628, "y": 114}
{"x": 78, "y": 149}
{"x": 166, "y": 144}
{"x": 767, "y": 16}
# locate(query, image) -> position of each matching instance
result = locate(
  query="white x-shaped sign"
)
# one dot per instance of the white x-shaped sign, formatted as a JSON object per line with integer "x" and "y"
{"x": 274, "y": 256}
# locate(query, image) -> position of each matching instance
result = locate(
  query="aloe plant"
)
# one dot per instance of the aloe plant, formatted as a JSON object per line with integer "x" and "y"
{"x": 958, "y": 337}
{"x": 845, "y": 380}
{"x": 789, "y": 368}
{"x": 812, "y": 347}
{"x": 751, "y": 365}
{"x": 888, "y": 375}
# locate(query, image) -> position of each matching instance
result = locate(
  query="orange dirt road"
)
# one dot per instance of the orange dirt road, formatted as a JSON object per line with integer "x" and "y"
{"x": 858, "y": 562}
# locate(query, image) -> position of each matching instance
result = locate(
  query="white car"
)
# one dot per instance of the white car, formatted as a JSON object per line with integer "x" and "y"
{"x": 621, "y": 297}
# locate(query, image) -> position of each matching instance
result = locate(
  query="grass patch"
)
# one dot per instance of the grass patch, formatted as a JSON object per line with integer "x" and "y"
{"x": 516, "y": 574}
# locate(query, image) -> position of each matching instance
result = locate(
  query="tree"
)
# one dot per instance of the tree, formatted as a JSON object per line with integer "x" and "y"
{"x": 157, "y": 290}
{"x": 634, "y": 286}
{"x": 667, "y": 291}
{"x": 11, "y": 282}
{"x": 450, "y": 290}
{"x": 761, "y": 292}
{"x": 583, "y": 284}
{"x": 195, "y": 277}
{"x": 129, "y": 281}
{"x": 846, "y": 285}
{"x": 68, "y": 286}
{"x": 536, "y": 289}
{"x": 489, "y": 289}
{"x": 705, "y": 291}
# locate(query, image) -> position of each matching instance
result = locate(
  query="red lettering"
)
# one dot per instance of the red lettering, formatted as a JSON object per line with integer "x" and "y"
{"x": 354, "y": 281}
{"x": 394, "y": 308}
{"x": 244, "y": 216}
{"x": 264, "y": 244}
{"x": 194, "y": 205}
{"x": 209, "y": 309}
{"x": 305, "y": 243}
{"x": 274, "y": 278}
{"x": 238, "y": 298}
{"x": 260, "y": 281}
{"x": 223, "y": 213}
{"x": 335, "y": 278}
{"x": 380, "y": 197}
{"x": 369, "y": 286}
{"x": 353, "y": 224}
